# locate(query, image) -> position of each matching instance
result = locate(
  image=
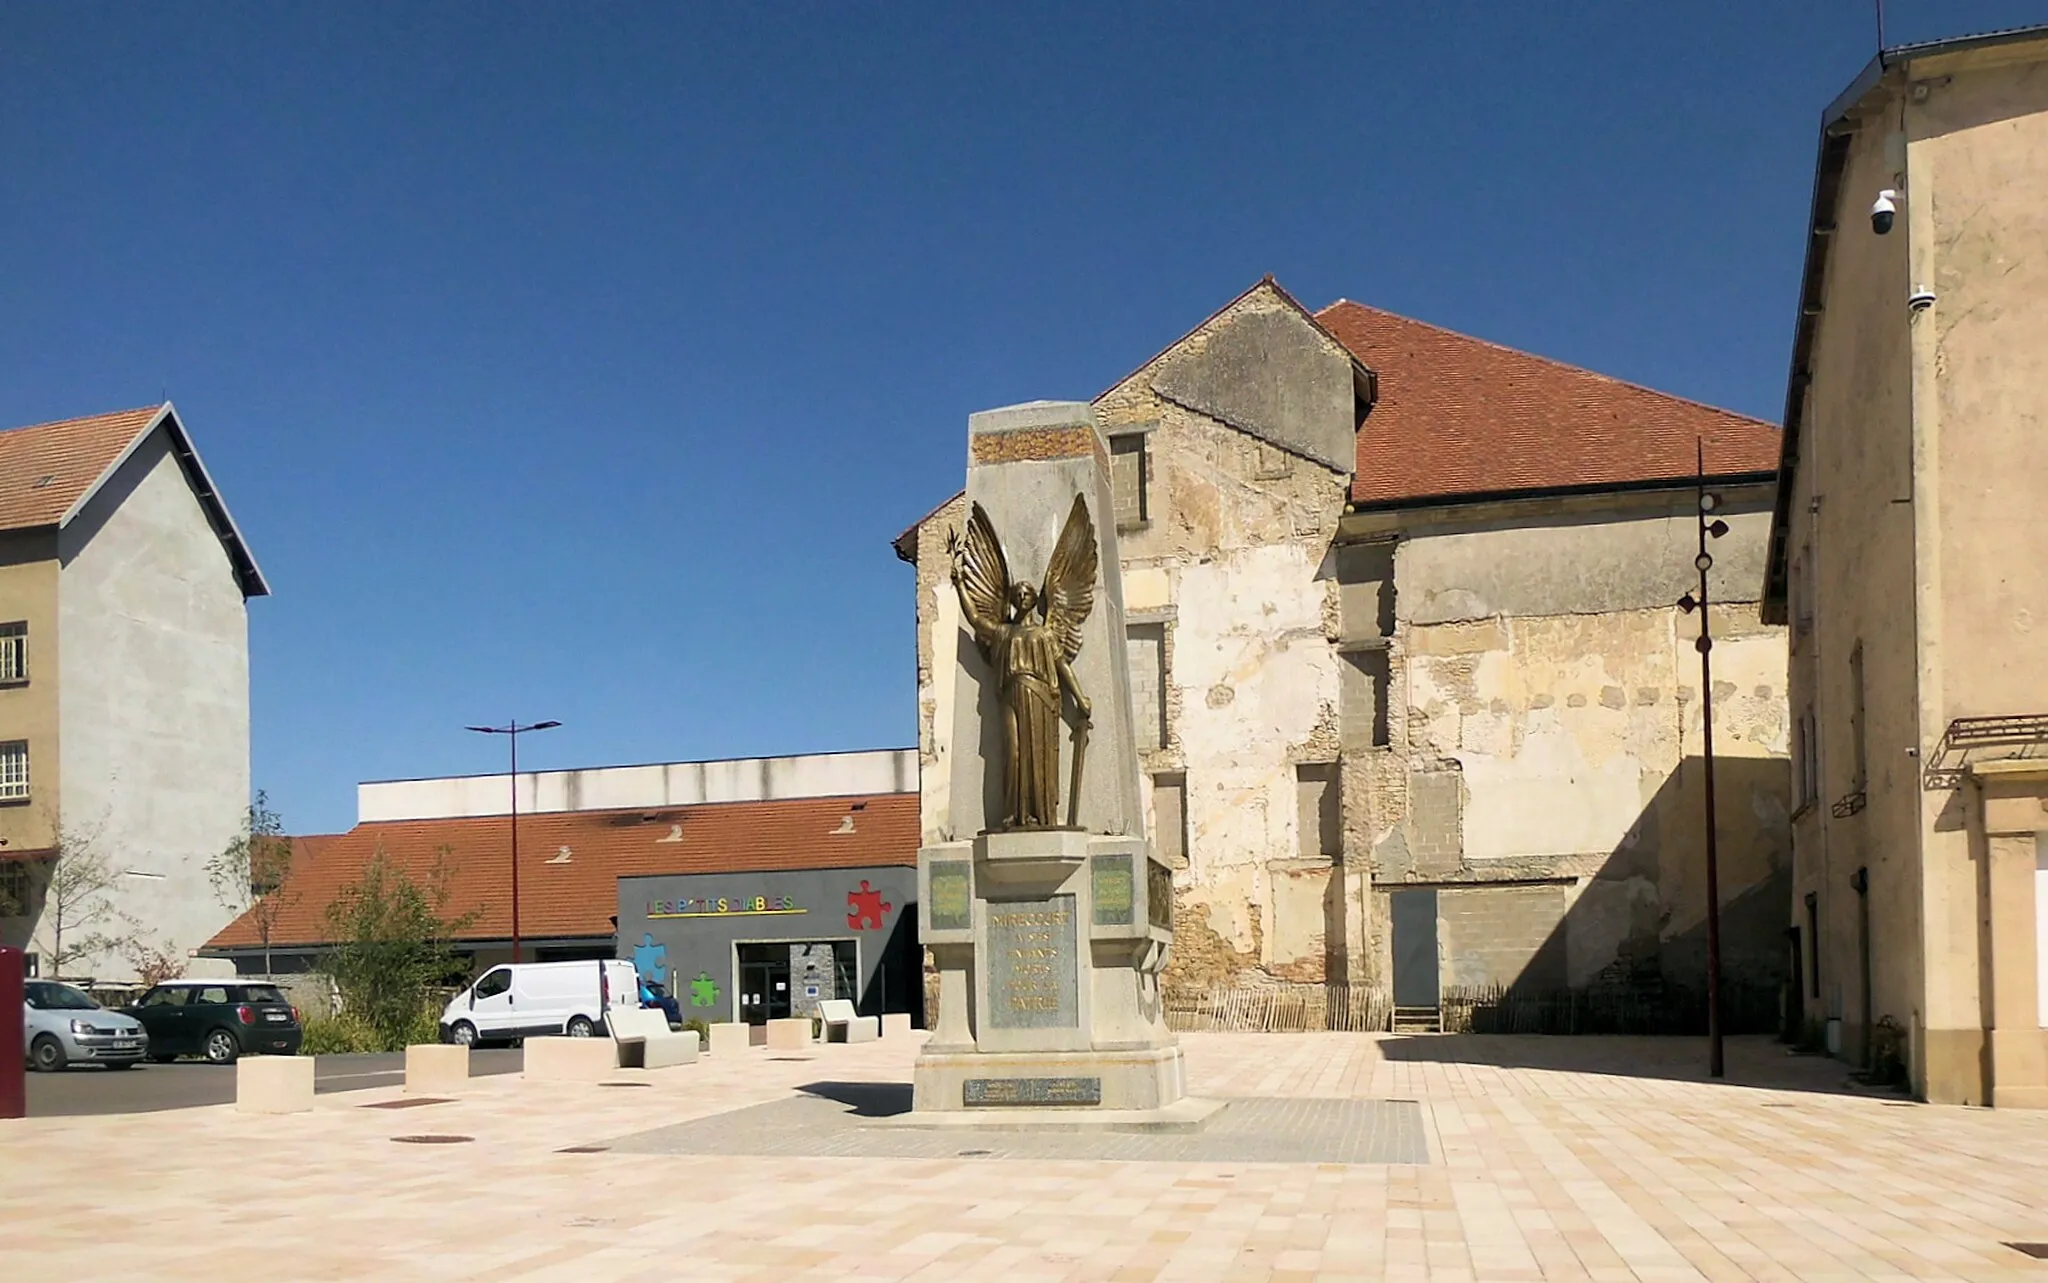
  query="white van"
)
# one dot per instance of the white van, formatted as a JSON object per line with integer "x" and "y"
{"x": 530, "y": 999}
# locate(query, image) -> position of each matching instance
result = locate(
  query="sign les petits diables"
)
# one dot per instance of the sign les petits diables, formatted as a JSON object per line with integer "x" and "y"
{"x": 718, "y": 906}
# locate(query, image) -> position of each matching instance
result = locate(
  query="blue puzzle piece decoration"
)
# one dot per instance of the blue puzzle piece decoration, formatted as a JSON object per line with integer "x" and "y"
{"x": 650, "y": 959}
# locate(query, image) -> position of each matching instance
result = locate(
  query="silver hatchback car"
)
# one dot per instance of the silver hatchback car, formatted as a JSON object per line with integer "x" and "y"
{"x": 62, "y": 1025}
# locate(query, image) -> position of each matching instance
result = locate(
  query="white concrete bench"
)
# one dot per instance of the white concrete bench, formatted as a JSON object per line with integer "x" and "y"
{"x": 646, "y": 1042}
{"x": 843, "y": 1024}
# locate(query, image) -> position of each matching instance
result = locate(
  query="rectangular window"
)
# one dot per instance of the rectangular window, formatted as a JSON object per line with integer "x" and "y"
{"x": 1320, "y": 810}
{"x": 1802, "y": 593}
{"x": 1363, "y": 698}
{"x": 1145, "y": 645}
{"x": 1128, "y": 480}
{"x": 1170, "y": 818}
{"x": 1861, "y": 779}
{"x": 14, "y": 771}
{"x": 13, "y": 653}
{"x": 14, "y": 889}
{"x": 1813, "y": 938}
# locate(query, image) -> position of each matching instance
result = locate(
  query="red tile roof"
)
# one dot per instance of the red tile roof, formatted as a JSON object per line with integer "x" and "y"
{"x": 1460, "y": 416}
{"x": 579, "y": 895}
{"x": 47, "y": 468}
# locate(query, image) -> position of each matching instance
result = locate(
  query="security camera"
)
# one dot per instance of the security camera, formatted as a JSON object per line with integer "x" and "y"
{"x": 1883, "y": 211}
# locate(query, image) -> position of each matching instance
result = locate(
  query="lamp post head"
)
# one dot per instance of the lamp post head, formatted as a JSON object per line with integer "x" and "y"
{"x": 1687, "y": 604}
{"x": 1709, "y": 501}
{"x": 543, "y": 726}
{"x": 1705, "y": 562}
{"x": 1717, "y": 528}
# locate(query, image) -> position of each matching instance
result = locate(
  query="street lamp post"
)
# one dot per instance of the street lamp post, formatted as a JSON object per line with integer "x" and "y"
{"x": 1710, "y": 526}
{"x": 512, "y": 730}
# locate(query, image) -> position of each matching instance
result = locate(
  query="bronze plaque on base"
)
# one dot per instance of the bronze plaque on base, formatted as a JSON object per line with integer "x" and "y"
{"x": 1031, "y": 1091}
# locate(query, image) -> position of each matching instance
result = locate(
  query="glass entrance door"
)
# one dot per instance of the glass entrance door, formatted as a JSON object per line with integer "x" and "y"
{"x": 764, "y": 983}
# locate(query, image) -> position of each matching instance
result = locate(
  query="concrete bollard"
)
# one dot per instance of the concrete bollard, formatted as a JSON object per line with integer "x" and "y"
{"x": 896, "y": 1024}
{"x": 793, "y": 1034}
{"x": 432, "y": 1067}
{"x": 729, "y": 1040}
{"x": 274, "y": 1084}
{"x": 570, "y": 1060}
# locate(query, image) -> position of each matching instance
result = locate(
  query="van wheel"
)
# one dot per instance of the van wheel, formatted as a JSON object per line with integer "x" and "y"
{"x": 463, "y": 1034}
{"x": 580, "y": 1027}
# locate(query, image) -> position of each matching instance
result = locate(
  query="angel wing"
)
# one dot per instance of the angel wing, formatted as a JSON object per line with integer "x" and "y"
{"x": 980, "y": 574}
{"x": 1070, "y": 579}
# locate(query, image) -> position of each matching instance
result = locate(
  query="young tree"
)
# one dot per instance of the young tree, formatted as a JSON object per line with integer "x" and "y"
{"x": 392, "y": 942}
{"x": 249, "y": 874}
{"x": 154, "y": 961}
{"x": 79, "y": 918}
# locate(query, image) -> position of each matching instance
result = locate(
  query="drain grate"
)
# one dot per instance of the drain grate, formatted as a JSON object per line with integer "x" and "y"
{"x": 406, "y": 1102}
{"x": 976, "y": 1153}
{"x": 432, "y": 1138}
{"x": 1780, "y": 1104}
{"x": 625, "y": 1084}
{"x": 789, "y": 1057}
{"x": 585, "y": 1149}
{"x": 2039, "y": 1251}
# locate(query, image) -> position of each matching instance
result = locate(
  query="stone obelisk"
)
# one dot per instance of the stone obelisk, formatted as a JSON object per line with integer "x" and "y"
{"x": 1048, "y": 934}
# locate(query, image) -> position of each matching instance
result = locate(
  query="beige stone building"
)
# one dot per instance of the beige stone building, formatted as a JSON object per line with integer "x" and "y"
{"x": 1419, "y": 719}
{"x": 124, "y": 686}
{"x": 1909, "y": 557}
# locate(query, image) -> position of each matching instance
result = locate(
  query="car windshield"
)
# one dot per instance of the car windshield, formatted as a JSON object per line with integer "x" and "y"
{"x": 261, "y": 993}
{"x": 51, "y": 997}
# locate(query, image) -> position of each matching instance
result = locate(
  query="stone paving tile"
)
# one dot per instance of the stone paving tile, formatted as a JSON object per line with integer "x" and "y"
{"x": 1550, "y": 1159}
{"x": 1276, "y": 1129}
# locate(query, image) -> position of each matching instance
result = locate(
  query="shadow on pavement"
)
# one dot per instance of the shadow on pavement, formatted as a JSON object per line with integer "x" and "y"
{"x": 864, "y": 1100}
{"x": 1751, "y": 1060}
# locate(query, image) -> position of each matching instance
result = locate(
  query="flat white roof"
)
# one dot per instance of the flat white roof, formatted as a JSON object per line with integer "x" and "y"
{"x": 604, "y": 788}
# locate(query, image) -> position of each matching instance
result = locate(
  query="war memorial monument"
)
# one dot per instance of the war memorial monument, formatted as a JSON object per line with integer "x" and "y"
{"x": 1046, "y": 912}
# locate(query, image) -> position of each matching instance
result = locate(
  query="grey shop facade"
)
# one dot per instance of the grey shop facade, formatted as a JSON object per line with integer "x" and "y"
{"x": 754, "y": 947}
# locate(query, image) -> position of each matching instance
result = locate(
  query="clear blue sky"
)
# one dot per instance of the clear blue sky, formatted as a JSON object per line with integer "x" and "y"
{"x": 580, "y": 362}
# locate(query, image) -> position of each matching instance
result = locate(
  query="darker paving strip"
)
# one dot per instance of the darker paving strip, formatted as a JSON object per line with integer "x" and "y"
{"x": 1257, "y": 1129}
{"x": 2039, "y": 1251}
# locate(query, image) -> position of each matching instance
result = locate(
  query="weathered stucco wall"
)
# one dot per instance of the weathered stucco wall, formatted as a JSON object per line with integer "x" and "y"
{"x": 1850, "y": 554}
{"x": 1232, "y": 561}
{"x": 1547, "y": 721}
{"x": 1978, "y": 127}
{"x": 155, "y": 696}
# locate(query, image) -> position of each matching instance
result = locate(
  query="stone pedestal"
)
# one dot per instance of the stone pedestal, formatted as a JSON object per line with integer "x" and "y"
{"x": 569, "y": 1060}
{"x": 1049, "y": 946}
{"x": 729, "y": 1039}
{"x": 791, "y": 1034}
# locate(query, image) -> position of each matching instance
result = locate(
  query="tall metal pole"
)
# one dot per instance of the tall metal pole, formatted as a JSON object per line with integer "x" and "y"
{"x": 1715, "y": 1066}
{"x": 513, "y": 735}
{"x": 513, "y": 729}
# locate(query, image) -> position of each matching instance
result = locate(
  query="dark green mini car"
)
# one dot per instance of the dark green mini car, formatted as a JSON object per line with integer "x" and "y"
{"x": 219, "y": 1020}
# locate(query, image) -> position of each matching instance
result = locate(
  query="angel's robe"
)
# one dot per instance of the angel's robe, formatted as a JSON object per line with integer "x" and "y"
{"x": 1026, "y": 657}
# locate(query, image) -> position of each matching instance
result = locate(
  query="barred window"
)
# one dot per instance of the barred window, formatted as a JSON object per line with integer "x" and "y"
{"x": 13, "y": 653}
{"x": 14, "y": 771}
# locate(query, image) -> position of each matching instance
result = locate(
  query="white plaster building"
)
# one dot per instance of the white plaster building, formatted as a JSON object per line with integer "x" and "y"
{"x": 124, "y": 691}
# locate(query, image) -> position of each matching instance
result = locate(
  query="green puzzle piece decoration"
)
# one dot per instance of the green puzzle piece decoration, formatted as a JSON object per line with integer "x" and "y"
{"x": 703, "y": 991}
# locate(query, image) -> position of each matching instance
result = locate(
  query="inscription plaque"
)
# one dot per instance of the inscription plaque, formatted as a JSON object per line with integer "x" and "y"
{"x": 1033, "y": 982}
{"x": 952, "y": 907}
{"x": 1031, "y": 1091}
{"x": 1158, "y": 894}
{"x": 1109, "y": 884}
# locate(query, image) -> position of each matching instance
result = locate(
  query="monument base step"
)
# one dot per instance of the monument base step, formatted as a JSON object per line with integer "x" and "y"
{"x": 1188, "y": 1114}
{"x": 1025, "y": 1082}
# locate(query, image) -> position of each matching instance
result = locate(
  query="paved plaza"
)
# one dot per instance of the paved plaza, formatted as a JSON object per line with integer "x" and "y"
{"x": 1355, "y": 1157}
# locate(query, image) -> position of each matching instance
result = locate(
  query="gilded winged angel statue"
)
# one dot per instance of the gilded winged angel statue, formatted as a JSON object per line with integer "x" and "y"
{"x": 1030, "y": 639}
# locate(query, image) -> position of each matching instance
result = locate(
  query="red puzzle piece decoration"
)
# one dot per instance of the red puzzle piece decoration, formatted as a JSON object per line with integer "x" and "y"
{"x": 865, "y": 908}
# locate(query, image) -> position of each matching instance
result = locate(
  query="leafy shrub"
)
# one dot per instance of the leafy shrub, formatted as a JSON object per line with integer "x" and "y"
{"x": 703, "y": 1030}
{"x": 338, "y": 1035}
